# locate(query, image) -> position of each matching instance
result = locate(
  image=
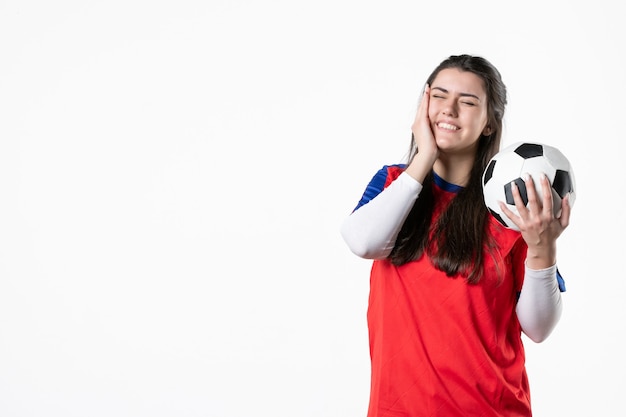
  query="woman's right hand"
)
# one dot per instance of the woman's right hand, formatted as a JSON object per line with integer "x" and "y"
{"x": 424, "y": 140}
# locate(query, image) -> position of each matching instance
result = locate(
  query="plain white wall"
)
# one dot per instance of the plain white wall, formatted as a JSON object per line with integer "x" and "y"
{"x": 173, "y": 175}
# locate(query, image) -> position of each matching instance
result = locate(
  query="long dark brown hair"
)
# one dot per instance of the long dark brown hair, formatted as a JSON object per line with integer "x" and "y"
{"x": 456, "y": 240}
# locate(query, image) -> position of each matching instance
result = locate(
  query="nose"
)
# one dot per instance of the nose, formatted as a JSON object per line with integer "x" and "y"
{"x": 449, "y": 108}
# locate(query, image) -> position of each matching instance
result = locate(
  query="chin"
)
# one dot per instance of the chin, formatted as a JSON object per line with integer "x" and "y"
{"x": 443, "y": 144}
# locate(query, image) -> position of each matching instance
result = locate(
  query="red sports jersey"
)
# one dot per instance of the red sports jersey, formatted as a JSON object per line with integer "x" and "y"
{"x": 440, "y": 346}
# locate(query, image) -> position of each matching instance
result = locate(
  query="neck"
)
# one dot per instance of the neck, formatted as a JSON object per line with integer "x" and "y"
{"x": 454, "y": 169}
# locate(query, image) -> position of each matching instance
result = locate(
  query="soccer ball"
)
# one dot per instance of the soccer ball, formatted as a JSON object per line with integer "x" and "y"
{"x": 533, "y": 158}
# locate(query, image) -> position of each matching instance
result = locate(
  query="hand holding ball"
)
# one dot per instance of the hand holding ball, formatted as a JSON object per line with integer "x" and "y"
{"x": 512, "y": 163}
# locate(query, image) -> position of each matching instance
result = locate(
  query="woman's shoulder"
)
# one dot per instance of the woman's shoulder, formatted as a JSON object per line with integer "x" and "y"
{"x": 383, "y": 177}
{"x": 390, "y": 172}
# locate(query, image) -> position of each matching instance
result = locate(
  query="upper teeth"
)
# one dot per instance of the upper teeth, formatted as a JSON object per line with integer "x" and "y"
{"x": 447, "y": 126}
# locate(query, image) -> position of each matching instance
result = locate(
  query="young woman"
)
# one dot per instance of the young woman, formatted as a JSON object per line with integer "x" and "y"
{"x": 451, "y": 290}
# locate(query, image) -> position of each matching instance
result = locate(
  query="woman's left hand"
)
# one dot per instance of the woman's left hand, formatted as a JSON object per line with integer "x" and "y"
{"x": 536, "y": 221}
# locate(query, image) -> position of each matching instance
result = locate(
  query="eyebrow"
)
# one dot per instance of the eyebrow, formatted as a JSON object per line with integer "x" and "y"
{"x": 443, "y": 90}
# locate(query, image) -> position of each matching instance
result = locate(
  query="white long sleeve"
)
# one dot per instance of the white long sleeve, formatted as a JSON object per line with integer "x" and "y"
{"x": 371, "y": 231}
{"x": 539, "y": 305}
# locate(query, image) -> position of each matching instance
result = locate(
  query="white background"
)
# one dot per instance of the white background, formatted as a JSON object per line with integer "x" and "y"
{"x": 173, "y": 175}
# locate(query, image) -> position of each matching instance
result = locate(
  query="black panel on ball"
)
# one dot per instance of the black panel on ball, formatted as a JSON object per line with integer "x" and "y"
{"x": 498, "y": 218}
{"x": 489, "y": 171}
{"x": 562, "y": 183}
{"x": 529, "y": 150}
{"x": 521, "y": 186}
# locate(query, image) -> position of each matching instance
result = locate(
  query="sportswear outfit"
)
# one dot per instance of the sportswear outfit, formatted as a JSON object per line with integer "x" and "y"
{"x": 440, "y": 346}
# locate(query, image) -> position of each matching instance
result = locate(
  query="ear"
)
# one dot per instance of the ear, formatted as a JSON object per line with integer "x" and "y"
{"x": 487, "y": 131}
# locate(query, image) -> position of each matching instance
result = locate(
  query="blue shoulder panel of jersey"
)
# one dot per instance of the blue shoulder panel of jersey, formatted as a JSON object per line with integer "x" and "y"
{"x": 376, "y": 184}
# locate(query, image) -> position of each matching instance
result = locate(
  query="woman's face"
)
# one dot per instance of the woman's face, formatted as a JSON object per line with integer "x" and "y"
{"x": 458, "y": 110}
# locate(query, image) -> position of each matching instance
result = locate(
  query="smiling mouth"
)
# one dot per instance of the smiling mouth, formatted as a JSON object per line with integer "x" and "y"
{"x": 447, "y": 126}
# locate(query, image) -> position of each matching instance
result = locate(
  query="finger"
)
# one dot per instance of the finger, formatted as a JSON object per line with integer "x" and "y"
{"x": 548, "y": 203}
{"x": 422, "y": 110}
{"x": 534, "y": 204}
{"x": 511, "y": 215}
{"x": 519, "y": 201}
{"x": 566, "y": 210}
